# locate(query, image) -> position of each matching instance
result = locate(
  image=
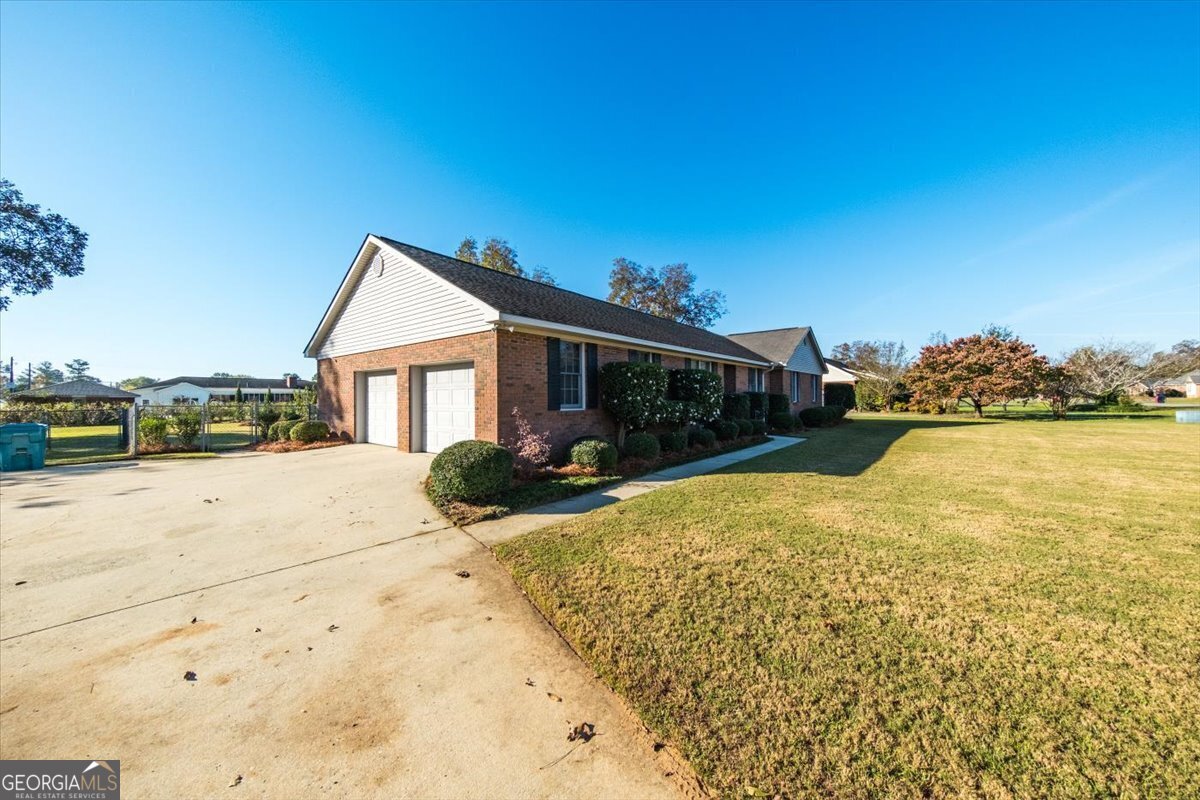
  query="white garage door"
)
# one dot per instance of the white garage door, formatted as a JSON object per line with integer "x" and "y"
{"x": 381, "y": 409}
{"x": 449, "y": 406}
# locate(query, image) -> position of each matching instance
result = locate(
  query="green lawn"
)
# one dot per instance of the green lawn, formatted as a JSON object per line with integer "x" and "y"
{"x": 89, "y": 443}
{"x": 907, "y": 606}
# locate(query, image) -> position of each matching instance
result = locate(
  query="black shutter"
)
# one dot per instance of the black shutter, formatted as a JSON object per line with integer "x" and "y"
{"x": 593, "y": 375}
{"x": 553, "y": 374}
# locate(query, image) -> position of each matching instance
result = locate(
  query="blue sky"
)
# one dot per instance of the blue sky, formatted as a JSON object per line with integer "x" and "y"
{"x": 876, "y": 171}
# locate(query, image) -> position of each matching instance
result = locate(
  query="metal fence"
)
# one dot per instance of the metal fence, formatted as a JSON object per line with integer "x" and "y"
{"x": 79, "y": 432}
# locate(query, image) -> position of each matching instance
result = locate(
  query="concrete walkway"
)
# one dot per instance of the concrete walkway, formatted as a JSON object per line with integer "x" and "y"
{"x": 495, "y": 531}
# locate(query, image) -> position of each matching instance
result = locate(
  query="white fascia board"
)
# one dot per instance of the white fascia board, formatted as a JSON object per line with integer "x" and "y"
{"x": 362, "y": 260}
{"x": 541, "y": 326}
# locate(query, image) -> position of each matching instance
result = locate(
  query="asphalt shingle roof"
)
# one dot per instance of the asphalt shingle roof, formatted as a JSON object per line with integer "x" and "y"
{"x": 778, "y": 345}
{"x": 522, "y": 297}
{"x": 79, "y": 390}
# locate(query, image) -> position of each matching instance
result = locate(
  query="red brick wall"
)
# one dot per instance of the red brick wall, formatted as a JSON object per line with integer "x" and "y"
{"x": 336, "y": 380}
{"x": 523, "y": 385}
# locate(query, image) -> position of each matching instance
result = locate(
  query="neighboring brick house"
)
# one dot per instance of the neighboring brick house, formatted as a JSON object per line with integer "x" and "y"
{"x": 797, "y": 366}
{"x": 418, "y": 350}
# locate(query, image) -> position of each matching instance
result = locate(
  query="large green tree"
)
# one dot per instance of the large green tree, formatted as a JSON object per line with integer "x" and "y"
{"x": 668, "y": 292}
{"x": 982, "y": 369}
{"x": 129, "y": 384}
{"x": 879, "y": 367}
{"x": 36, "y": 246}
{"x": 77, "y": 370}
{"x": 45, "y": 374}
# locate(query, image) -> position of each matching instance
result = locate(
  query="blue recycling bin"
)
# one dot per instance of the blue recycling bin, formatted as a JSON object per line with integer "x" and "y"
{"x": 22, "y": 446}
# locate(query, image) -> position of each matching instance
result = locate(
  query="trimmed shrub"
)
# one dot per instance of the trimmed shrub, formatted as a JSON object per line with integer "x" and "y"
{"x": 673, "y": 442}
{"x": 758, "y": 404}
{"x": 822, "y": 416}
{"x": 313, "y": 430}
{"x": 701, "y": 390}
{"x": 293, "y": 415}
{"x": 186, "y": 425}
{"x": 470, "y": 470}
{"x": 152, "y": 430}
{"x": 642, "y": 445}
{"x": 760, "y": 427}
{"x": 267, "y": 416}
{"x": 778, "y": 402}
{"x": 735, "y": 406}
{"x": 634, "y": 394}
{"x": 594, "y": 454}
{"x": 702, "y": 437}
{"x": 745, "y": 427}
{"x": 281, "y": 431}
{"x": 725, "y": 430}
{"x": 840, "y": 394}
{"x": 781, "y": 421}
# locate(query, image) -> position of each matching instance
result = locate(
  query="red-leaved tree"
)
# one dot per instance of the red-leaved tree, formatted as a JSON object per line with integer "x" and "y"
{"x": 983, "y": 369}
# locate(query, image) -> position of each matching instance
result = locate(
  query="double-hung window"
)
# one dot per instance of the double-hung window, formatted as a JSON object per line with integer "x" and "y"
{"x": 645, "y": 357}
{"x": 816, "y": 389}
{"x": 795, "y": 386}
{"x": 571, "y": 375}
{"x": 707, "y": 366}
{"x": 757, "y": 380}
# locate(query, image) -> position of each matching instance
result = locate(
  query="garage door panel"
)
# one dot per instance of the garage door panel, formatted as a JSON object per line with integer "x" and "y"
{"x": 449, "y": 414}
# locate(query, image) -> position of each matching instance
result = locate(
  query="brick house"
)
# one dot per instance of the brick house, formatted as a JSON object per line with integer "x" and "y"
{"x": 797, "y": 366}
{"x": 418, "y": 350}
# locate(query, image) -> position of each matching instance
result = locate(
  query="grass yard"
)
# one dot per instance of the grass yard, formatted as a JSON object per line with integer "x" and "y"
{"x": 907, "y": 606}
{"x": 84, "y": 443}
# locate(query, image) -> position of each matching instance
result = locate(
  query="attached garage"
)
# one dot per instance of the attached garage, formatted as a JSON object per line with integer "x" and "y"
{"x": 448, "y": 406}
{"x": 380, "y": 395}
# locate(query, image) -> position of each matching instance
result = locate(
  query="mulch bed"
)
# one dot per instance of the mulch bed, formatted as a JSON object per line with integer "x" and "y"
{"x": 294, "y": 447}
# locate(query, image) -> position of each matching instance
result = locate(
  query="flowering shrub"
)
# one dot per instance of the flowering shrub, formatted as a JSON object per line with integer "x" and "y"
{"x": 632, "y": 393}
{"x": 531, "y": 450}
{"x": 701, "y": 393}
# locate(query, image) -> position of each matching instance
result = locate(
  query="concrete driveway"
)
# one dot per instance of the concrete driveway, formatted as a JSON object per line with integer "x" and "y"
{"x": 336, "y": 652}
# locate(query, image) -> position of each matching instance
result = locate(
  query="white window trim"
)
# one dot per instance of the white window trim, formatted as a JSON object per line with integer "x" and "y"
{"x": 758, "y": 379}
{"x": 582, "y": 377}
{"x": 816, "y": 388}
{"x": 795, "y": 387}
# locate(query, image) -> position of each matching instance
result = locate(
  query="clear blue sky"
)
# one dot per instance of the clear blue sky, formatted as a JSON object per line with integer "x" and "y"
{"x": 876, "y": 171}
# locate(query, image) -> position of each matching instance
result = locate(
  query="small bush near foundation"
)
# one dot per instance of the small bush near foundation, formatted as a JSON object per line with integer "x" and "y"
{"x": 822, "y": 416}
{"x": 760, "y": 427}
{"x": 735, "y": 406}
{"x": 310, "y": 431}
{"x": 673, "y": 442}
{"x": 782, "y": 421}
{"x": 642, "y": 445}
{"x": 281, "y": 431}
{"x": 471, "y": 470}
{"x": 745, "y": 427}
{"x": 778, "y": 402}
{"x": 701, "y": 436}
{"x": 724, "y": 429}
{"x": 594, "y": 454}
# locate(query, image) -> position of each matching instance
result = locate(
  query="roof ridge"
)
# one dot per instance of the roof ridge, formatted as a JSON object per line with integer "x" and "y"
{"x": 548, "y": 286}
{"x": 770, "y": 330}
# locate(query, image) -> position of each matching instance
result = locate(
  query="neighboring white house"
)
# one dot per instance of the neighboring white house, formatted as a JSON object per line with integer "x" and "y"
{"x": 839, "y": 373}
{"x": 192, "y": 391}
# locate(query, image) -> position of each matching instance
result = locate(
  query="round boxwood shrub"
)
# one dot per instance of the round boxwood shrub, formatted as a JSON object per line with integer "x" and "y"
{"x": 781, "y": 421}
{"x": 471, "y": 470}
{"x": 724, "y": 429}
{"x": 777, "y": 402}
{"x": 310, "y": 431}
{"x": 822, "y": 416}
{"x": 702, "y": 436}
{"x": 594, "y": 454}
{"x": 673, "y": 442}
{"x": 745, "y": 427}
{"x": 642, "y": 445}
{"x": 281, "y": 431}
{"x": 760, "y": 427}
{"x": 735, "y": 406}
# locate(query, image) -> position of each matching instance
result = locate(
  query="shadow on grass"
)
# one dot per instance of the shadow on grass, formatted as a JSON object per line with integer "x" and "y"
{"x": 847, "y": 450}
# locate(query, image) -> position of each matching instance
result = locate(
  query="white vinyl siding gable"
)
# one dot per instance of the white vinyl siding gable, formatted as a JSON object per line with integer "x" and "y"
{"x": 806, "y": 359}
{"x": 404, "y": 305}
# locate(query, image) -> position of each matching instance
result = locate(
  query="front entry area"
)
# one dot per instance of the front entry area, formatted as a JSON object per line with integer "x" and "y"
{"x": 449, "y": 406}
{"x": 381, "y": 409}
